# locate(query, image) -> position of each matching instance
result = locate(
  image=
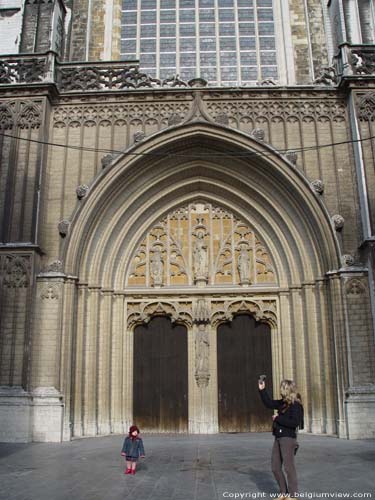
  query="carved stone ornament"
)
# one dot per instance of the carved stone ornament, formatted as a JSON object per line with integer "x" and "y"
{"x": 363, "y": 61}
{"x": 222, "y": 119}
{"x": 318, "y": 186}
{"x": 157, "y": 264}
{"x": 258, "y": 134}
{"x": 197, "y": 82}
{"x": 54, "y": 267}
{"x": 243, "y": 263}
{"x": 338, "y": 222}
{"x": 7, "y": 118}
{"x": 82, "y": 191}
{"x": 262, "y": 310}
{"x": 63, "y": 227}
{"x": 107, "y": 160}
{"x": 355, "y": 288}
{"x": 347, "y": 260}
{"x": 139, "y": 136}
{"x": 201, "y": 312}
{"x": 174, "y": 81}
{"x": 366, "y": 107}
{"x": 174, "y": 120}
{"x": 292, "y": 157}
{"x": 50, "y": 292}
{"x": 200, "y": 251}
{"x": 267, "y": 82}
{"x": 202, "y": 356}
{"x": 143, "y": 312}
{"x": 16, "y": 273}
{"x": 22, "y": 70}
{"x": 327, "y": 76}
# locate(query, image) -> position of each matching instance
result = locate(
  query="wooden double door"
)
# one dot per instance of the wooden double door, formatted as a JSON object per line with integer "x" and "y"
{"x": 160, "y": 387}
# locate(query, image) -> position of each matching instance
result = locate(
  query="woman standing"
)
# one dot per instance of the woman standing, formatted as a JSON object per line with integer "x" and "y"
{"x": 289, "y": 417}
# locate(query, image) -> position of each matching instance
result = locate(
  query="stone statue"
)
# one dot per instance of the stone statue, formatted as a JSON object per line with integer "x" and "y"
{"x": 243, "y": 266}
{"x": 200, "y": 256}
{"x": 202, "y": 349}
{"x": 156, "y": 267}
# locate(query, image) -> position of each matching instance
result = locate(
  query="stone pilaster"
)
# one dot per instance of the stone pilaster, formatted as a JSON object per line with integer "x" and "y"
{"x": 45, "y": 358}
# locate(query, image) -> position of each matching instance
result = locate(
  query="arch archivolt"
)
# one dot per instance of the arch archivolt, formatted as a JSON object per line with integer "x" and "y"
{"x": 263, "y": 310}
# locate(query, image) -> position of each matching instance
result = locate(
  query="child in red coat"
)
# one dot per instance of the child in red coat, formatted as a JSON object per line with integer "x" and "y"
{"x": 132, "y": 449}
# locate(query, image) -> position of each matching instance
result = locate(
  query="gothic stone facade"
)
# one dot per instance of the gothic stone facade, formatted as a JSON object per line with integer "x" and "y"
{"x": 122, "y": 199}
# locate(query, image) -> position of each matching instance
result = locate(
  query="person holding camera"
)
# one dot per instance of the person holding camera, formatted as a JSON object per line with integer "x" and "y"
{"x": 289, "y": 417}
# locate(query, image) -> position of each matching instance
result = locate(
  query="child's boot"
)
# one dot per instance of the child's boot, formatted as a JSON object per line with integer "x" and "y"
{"x": 128, "y": 471}
{"x": 133, "y": 471}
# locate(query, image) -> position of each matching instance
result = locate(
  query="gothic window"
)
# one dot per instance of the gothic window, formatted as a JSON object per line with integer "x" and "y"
{"x": 222, "y": 34}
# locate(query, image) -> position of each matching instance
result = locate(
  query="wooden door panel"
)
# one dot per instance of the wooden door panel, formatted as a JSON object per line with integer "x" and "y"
{"x": 160, "y": 380}
{"x": 244, "y": 352}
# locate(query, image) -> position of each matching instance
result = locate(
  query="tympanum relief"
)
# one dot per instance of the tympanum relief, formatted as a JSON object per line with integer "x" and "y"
{"x": 200, "y": 244}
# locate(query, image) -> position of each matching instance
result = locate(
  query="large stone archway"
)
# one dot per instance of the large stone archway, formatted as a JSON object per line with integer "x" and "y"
{"x": 263, "y": 194}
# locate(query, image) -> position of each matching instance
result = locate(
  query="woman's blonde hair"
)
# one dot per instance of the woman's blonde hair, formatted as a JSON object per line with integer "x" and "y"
{"x": 288, "y": 391}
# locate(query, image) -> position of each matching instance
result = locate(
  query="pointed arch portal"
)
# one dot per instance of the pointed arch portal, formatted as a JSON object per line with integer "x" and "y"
{"x": 202, "y": 224}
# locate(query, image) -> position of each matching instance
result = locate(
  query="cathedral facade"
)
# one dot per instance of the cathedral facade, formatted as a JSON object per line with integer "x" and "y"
{"x": 187, "y": 201}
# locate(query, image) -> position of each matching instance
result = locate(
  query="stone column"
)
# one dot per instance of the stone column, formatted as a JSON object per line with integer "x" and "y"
{"x": 301, "y": 360}
{"x": 78, "y": 357}
{"x": 329, "y": 388}
{"x": 313, "y": 352}
{"x": 127, "y": 373}
{"x": 117, "y": 365}
{"x": 68, "y": 334}
{"x": 90, "y": 378}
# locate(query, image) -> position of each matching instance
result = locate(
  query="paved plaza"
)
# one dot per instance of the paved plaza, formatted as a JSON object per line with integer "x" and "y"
{"x": 183, "y": 467}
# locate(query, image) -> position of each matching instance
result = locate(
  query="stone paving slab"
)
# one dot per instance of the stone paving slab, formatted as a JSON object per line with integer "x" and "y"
{"x": 183, "y": 467}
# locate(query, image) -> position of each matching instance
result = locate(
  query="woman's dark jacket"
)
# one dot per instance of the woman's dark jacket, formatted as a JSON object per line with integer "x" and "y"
{"x": 289, "y": 416}
{"x": 133, "y": 447}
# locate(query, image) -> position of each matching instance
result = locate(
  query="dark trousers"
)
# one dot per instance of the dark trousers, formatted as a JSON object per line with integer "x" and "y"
{"x": 283, "y": 455}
